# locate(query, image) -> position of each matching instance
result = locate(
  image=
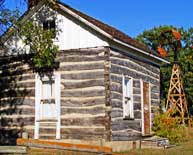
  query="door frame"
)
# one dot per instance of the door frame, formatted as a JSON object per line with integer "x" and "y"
{"x": 142, "y": 108}
{"x": 38, "y": 94}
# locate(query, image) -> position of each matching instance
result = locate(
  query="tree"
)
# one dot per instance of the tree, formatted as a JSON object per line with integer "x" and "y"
{"x": 39, "y": 41}
{"x": 152, "y": 39}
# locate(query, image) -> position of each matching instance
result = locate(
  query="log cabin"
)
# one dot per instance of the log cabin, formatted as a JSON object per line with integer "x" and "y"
{"x": 105, "y": 90}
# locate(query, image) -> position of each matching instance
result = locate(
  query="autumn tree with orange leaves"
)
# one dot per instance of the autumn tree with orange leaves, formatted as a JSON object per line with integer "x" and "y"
{"x": 152, "y": 39}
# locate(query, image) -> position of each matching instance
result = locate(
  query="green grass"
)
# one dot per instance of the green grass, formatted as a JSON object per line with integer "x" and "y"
{"x": 185, "y": 148}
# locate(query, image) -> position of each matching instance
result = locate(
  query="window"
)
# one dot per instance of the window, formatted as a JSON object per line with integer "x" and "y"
{"x": 50, "y": 25}
{"x": 127, "y": 85}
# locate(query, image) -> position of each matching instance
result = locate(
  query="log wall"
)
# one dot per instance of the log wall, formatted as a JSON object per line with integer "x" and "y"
{"x": 138, "y": 70}
{"x": 17, "y": 99}
{"x": 83, "y": 93}
{"x": 91, "y": 95}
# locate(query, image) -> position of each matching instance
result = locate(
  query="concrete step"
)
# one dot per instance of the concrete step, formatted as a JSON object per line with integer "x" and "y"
{"x": 13, "y": 149}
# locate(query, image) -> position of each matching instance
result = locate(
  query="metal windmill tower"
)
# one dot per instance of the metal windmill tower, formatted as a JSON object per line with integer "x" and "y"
{"x": 176, "y": 99}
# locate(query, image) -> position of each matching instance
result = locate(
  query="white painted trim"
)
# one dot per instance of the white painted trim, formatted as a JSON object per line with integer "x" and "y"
{"x": 142, "y": 108}
{"x": 110, "y": 36}
{"x": 123, "y": 96}
{"x": 58, "y": 104}
{"x": 38, "y": 94}
{"x": 132, "y": 104}
{"x": 37, "y": 104}
{"x": 85, "y": 21}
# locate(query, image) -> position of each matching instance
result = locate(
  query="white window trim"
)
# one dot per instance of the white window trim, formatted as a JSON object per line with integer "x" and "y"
{"x": 123, "y": 97}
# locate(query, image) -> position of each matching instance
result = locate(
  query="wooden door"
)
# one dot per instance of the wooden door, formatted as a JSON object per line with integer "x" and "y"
{"x": 146, "y": 109}
{"x": 47, "y": 104}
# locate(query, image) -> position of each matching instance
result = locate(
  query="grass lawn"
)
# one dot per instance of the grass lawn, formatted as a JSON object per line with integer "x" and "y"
{"x": 185, "y": 148}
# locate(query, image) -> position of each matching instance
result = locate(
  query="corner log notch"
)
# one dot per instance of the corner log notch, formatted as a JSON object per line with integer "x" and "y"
{"x": 107, "y": 65}
{"x": 85, "y": 93}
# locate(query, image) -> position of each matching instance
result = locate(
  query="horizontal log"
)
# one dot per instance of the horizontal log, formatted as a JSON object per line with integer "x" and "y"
{"x": 82, "y": 84}
{"x": 155, "y": 89}
{"x": 25, "y": 84}
{"x": 148, "y": 66}
{"x": 118, "y": 125}
{"x": 116, "y": 87}
{"x": 77, "y": 58}
{"x": 136, "y": 91}
{"x": 155, "y": 96}
{"x": 115, "y": 95}
{"x": 17, "y": 102}
{"x": 15, "y": 72}
{"x": 17, "y": 78}
{"x": 16, "y": 111}
{"x": 137, "y": 105}
{"x": 116, "y": 103}
{"x": 77, "y": 102}
{"x": 126, "y": 136}
{"x": 93, "y": 111}
{"x": 116, "y": 113}
{"x": 88, "y": 137}
{"x": 83, "y": 52}
{"x": 95, "y": 121}
{"x": 83, "y": 131}
{"x": 137, "y": 114}
{"x": 8, "y": 65}
{"x": 83, "y": 93}
{"x": 77, "y": 67}
{"x": 84, "y": 75}
{"x": 18, "y": 93}
{"x": 116, "y": 78}
{"x": 137, "y": 75}
{"x": 136, "y": 84}
{"x": 47, "y": 130}
{"x": 137, "y": 67}
{"x": 20, "y": 121}
{"x": 136, "y": 98}
{"x": 15, "y": 86}
{"x": 47, "y": 137}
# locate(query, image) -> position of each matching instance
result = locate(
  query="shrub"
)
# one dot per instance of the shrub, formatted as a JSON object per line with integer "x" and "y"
{"x": 171, "y": 128}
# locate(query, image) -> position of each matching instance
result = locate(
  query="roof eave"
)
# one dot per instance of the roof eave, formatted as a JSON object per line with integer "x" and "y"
{"x": 110, "y": 36}
{"x": 142, "y": 51}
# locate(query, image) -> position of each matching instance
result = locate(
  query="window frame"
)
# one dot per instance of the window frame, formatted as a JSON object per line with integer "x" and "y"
{"x": 50, "y": 24}
{"x": 127, "y": 86}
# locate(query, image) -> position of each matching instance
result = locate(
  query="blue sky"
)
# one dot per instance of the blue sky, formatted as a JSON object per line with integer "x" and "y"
{"x": 132, "y": 16}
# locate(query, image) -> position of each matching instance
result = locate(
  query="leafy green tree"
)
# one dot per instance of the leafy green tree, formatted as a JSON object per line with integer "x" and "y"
{"x": 41, "y": 44}
{"x": 39, "y": 41}
{"x": 152, "y": 39}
